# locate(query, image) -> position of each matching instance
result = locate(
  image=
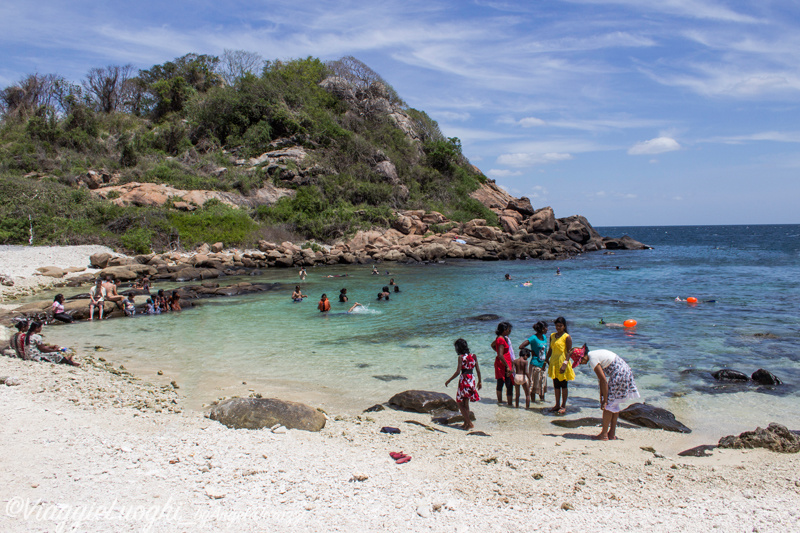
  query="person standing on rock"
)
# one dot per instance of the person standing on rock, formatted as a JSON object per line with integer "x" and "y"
{"x": 324, "y": 304}
{"x": 97, "y": 298}
{"x": 503, "y": 372}
{"x": 616, "y": 382}
{"x": 560, "y": 368}
{"x": 467, "y": 387}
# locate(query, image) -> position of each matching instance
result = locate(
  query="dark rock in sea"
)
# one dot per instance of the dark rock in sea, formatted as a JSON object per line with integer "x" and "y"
{"x": 390, "y": 377}
{"x": 374, "y": 409}
{"x": 489, "y": 317}
{"x": 776, "y": 438}
{"x": 257, "y": 413}
{"x": 727, "y": 374}
{"x": 698, "y": 451}
{"x": 433, "y": 367}
{"x": 586, "y": 422}
{"x": 765, "y": 377}
{"x": 653, "y": 417}
{"x": 362, "y": 365}
{"x": 765, "y": 336}
{"x": 423, "y": 401}
{"x": 445, "y": 416}
{"x": 624, "y": 243}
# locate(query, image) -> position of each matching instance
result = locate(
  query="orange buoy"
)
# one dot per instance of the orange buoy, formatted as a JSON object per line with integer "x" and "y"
{"x": 629, "y": 323}
{"x": 691, "y": 300}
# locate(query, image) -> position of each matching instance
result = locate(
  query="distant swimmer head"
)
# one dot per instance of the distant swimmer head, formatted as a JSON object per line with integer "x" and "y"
{"x": 461, "y": 346}
{"x": 508, "y": 276}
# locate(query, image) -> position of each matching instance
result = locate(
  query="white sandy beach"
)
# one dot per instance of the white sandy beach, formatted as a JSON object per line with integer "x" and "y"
{"x": 86, "y": 449}
{"x": 87, "y": 443}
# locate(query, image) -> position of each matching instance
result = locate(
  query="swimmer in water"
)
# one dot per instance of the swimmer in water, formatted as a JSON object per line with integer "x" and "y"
{"x": 527, "y": 284}
{"x": 611, "y": 324}
{"x": 355, "y": 305}
{"x": 297, "y": 295}
{"x": 558, "y": 271}
{"x": 375, "y": 270}
{"x": 508, "y": 276}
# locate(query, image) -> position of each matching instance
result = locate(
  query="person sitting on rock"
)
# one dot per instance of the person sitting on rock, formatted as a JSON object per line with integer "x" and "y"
{"x": 97, "y": 298}
{"x": 161, "y": 302}
{"x": 111, "y": 292}
{"x": 59, "y": 313}
{"x": 130, "y": 306}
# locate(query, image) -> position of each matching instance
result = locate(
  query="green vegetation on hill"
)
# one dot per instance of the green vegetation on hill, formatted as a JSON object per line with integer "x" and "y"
{"x": 179, "y": 124}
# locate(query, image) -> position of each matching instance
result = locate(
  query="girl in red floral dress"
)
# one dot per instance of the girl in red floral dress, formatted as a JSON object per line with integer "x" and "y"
{"x": 467, "y": 388}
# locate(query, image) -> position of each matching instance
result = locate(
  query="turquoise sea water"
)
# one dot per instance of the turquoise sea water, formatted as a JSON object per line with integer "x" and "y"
{"x": 351, "y": 361}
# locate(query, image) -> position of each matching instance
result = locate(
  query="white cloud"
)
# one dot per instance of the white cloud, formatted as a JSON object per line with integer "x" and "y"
{"x": 529, "y": 122}
{"x": 699, "y": 9}
{"x": 454, "y": 115}
{"x": 530, "y": 159}
{"x": 502, "y": 173}
{"x": 659, "y": 145}
{"x": 774, "y": 136}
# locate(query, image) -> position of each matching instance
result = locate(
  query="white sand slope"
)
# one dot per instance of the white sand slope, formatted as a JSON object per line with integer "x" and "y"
{"x": 19, "y": 263}
{"x": 76, "y": 452}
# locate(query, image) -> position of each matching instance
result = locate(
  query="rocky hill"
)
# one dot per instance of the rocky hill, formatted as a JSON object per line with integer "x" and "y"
{"x": 323, "y": 155}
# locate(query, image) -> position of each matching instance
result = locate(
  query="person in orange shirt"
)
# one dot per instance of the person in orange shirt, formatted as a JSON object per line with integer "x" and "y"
{"x": 324, "y": 304}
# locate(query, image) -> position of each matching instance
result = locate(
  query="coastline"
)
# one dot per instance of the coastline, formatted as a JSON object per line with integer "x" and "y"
{"x": 75, "y": 444}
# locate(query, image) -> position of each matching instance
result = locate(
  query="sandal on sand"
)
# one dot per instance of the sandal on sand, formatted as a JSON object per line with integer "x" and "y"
{"x": 404, "y": 459}
{"x": 397, "y": 455}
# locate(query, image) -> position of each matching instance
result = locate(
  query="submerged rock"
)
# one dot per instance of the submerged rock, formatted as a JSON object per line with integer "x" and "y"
{"x": 730, "y": 375}
{"x": 423, "y": 401}
{"x": 765, "y": 377}
{"x": 390, "y": 377}
{"x": 257, "y": 413}
{"x": 653, "y": 417}
{"x": 488, "y": 317}
{"x": 775, "y": 437}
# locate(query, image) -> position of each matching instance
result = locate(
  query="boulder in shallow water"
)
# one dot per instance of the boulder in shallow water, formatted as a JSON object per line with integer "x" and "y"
{"x": 257, "y": 413}
{"x": 765, "y": 377}
{"x": 727, "y": 374}
{"x": 423, "y": 401}
{"x": 653, "y": 417}
{"x": 776, "y": 438}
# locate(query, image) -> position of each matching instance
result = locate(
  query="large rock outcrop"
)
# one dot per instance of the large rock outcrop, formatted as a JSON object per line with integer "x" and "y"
{"x": 257, "y": 413}
{"x": 775, "y": 437}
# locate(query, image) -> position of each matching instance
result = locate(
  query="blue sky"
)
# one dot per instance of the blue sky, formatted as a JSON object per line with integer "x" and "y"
{"x": 626, "y": 111}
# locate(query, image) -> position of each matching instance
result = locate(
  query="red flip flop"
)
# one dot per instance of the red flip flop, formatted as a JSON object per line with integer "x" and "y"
{"x": 404, "y": 459}
{"x": 397, "y": 455}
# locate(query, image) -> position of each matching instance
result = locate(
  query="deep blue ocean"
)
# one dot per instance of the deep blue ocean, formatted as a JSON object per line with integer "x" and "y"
{"x": 746, "y": 280}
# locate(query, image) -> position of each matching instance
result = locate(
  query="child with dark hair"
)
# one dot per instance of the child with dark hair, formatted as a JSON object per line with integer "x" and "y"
{"x": 59, "y": 313}
{"x": 467, "y": 387}
{"x": 502, "y": 364}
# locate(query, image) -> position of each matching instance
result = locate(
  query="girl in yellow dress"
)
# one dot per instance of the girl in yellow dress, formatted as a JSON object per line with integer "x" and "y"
{"x": 560, "y": 369}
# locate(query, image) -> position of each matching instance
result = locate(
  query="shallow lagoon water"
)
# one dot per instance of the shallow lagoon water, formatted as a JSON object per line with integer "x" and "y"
{"x": 348, "y": 362}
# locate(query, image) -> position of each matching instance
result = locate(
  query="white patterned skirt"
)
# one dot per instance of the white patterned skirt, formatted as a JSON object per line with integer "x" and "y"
{"x": 621, "y": 385}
